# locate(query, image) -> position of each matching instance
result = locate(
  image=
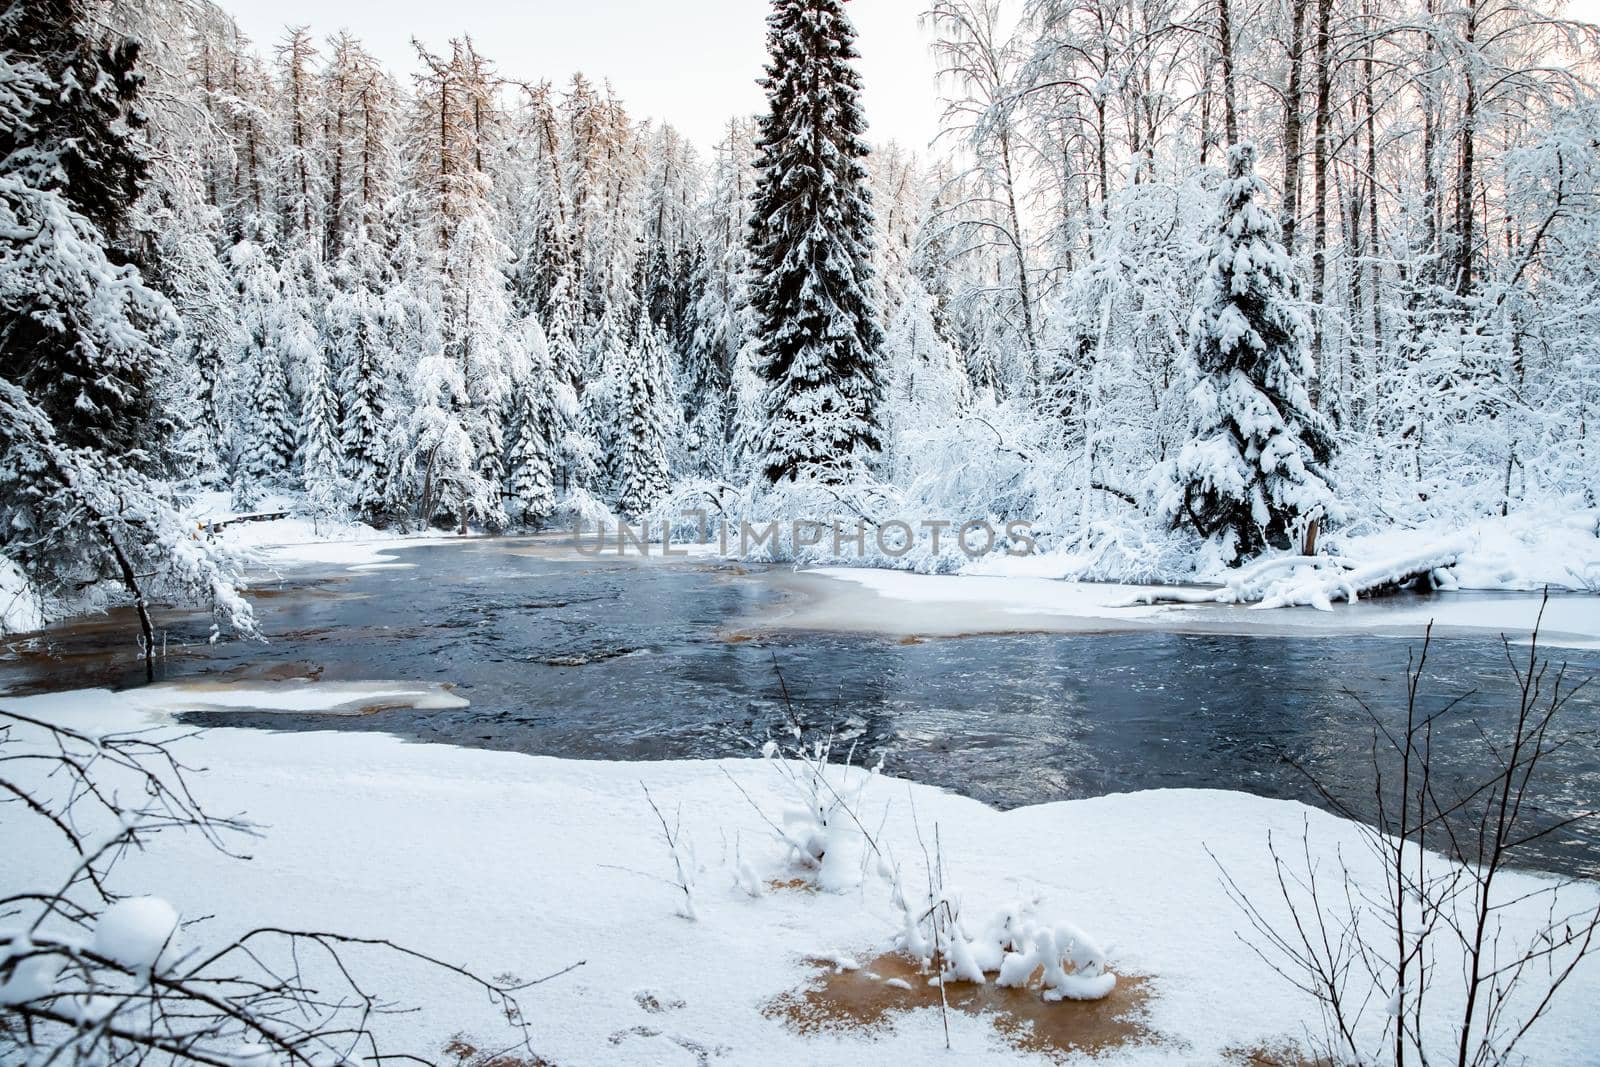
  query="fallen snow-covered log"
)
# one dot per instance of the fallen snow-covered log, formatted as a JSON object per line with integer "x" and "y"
{"x": 1317, "y": 581}
{"x": 214, "y": 525}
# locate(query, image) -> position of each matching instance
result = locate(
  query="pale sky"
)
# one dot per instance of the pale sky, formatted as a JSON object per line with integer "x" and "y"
{"x": 691, "y": 62}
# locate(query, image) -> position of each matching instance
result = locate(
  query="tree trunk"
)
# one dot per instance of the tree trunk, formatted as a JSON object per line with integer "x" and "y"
{"x": 1319, "y": 247}
{"x": 1373, "y": 277}
{"x": 1430, "y": 136}
{"x": 1465, "y": 180}
{"x": 1230, "y": 115}
{"x": 1291, "y": 131}
{"x": 1019, "y": 246}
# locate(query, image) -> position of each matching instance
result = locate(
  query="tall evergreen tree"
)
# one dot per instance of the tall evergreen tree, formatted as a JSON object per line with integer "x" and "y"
{"x": 536, "y": 429}
{"x": 645, "y": 411}
{"x": 366, "y": 378}
{"x": 80, "y": 327}
{"x": 83, "y": 443}
{"x": 810, "y": 241}
{"x": 272, "y": 329}
{"x": 319, "y": 437}
{"x": 1258, "y": 451}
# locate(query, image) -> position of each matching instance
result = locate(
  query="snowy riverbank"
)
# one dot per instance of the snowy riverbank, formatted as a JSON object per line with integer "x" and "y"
{"x": 903, "y": 604}
{"x": 526, "y": 864}
{"x": 299, "y": 539}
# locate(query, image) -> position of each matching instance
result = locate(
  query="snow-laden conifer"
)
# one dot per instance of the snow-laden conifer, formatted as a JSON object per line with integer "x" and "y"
{"x": 645, "y": 410}
{"x": 536, "y": 428}
{"x": 811, "y": 234}
{"x": 1257, "y": 454}
{"x": 359, "y": 334}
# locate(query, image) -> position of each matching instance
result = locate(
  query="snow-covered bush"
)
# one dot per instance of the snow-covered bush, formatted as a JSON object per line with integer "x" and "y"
{"x": 821, "y": 827}
{"x": 1011, "y": 945}
{"x": 827, "y": 835}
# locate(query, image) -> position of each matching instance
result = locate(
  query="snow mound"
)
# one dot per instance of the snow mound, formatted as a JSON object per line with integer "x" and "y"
{"x": 291, "y": 695}
{"x": 20, "y": 607}
{"x": 136, "y": 932}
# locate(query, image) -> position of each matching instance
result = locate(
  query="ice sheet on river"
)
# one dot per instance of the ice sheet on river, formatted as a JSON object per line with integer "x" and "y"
{"x": 300, "y": 695}
{"x": 899, "y": 603}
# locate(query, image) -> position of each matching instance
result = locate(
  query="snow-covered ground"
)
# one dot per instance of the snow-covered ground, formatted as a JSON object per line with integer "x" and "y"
{"x": 1527, "y": 550}
{"x": 521, "y": 864}
{"x": 300, "y": 540}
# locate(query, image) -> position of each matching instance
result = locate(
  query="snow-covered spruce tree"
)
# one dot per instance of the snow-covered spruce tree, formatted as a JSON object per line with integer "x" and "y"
{"x": 81, "y": 356}
{"x": 195, "y": 276}
{"x": 536, "y": 426}
{"x": 259, "y": 384}
{"x": 566, "y": 368}
{"x": 82, "y": 332}
{"x": 810, "y": 243}
{"x": 718, "y": 321}
{"x": 601, "y": 428}
{"x": 319, "y": 437}
{"x": 441, "y": 467}
{"x": 268, "y": 447}
{"x": 358, "y": 333}
{"x": 1256, "y": 459}
{"x": 645, "y": 410}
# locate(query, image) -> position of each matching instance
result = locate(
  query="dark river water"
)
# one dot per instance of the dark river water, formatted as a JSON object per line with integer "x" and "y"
{"x": 618, "y": 660}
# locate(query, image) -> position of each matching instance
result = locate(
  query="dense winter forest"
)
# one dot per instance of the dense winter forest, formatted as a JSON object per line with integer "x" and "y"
{"x": 1182, "y": 282}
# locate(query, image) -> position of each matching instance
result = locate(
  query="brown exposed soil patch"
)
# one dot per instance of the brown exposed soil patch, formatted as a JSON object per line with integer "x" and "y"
{"x": 462, "y": 1052}
{"x": 913, "y": 640}
{"x": 1273, "y": 1056}
{"x": 865, "y": 999}
{"x": 797, "y": 885}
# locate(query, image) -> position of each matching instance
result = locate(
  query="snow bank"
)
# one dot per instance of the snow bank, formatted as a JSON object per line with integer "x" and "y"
{"x": 1527, "y": 550}
{"x": 20, "y": 607}
{"x": 1556, "y": 545}
{"x": 287, "y": 695}
{"x": 899, "y": 603}
{"x": 300, "y": 540}
{"x": 525, "y": 864}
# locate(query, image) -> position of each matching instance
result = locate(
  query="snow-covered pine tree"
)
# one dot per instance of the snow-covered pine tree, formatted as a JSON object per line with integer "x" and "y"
{"x": 319, "y": 437}
{"x": 261, "y": 427}
{"x": 717, "y": 320}
{"x": 810, "y": 241}
{"x": 81, "y": 330}
{"x": 575, "y": 457}
{"x": 537, "y": 426}
{"x": 81, "y": 353}
{"x": 196, "y": 279}
{"x": 268, "y": 450}
{"x": 441, "y": 467}
{"x": 1257, "y": 454}
{"x": 358, "y": 332}
{"x": 645, "y": 411}
{"x": 601, "y": 427}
